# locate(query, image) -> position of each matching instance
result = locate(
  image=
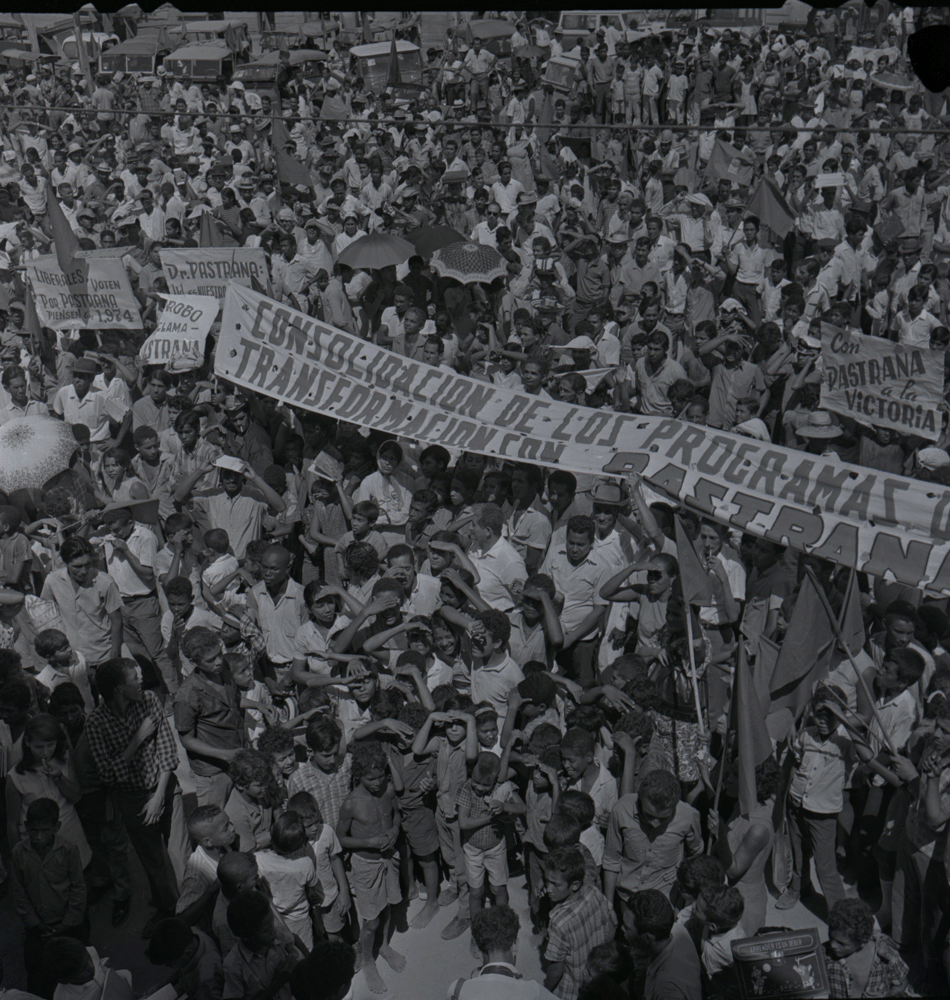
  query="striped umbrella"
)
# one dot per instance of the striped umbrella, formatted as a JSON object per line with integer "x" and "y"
{"x": 32, "y": 450}
{"x": 469, "y": 263}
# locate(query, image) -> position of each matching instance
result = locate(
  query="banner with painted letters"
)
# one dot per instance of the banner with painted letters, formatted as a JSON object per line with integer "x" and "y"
{"x": 103, "y": 300}
{"x": 207, "y": 271}
{"x": 878, "y": 382}
{"x": 182, "y": 329}
{"x": 882, "y": 524}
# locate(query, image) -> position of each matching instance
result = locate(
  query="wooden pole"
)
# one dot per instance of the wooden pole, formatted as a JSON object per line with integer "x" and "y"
{"x": 32, "y": 34}
{"x": 83, "y": 54}
{"x": 692, "y": 671}
{"x": 836, "y": 628}
{"x": 723, "y": 764}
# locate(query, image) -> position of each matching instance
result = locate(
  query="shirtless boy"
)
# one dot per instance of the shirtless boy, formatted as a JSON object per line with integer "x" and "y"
{"x": 368, "y": 827}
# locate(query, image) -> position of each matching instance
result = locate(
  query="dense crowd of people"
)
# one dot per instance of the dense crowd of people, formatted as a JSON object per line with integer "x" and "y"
{"x": 406, "y": 675}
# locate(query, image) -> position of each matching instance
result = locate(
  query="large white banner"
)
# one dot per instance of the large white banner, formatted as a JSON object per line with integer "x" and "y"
{"x": 885, "y": 525}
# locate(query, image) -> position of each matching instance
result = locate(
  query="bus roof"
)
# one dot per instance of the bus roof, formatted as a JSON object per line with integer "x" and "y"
{"x": 194, "y": 26}
{"x": 382, "y": 48}
{"x": 200, "y": 51}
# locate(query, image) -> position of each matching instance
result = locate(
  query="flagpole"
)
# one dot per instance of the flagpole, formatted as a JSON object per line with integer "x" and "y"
{"x": 692, "y": 670}
{"x": 839, "y": 635}
{"x": 723, "y": 764}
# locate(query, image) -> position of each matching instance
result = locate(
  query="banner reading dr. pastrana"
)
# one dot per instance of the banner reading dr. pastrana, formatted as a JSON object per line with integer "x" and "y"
{"x": 878, "y": 382}
{"x": 207, "y": 271}
{"x": 884, "y": 525}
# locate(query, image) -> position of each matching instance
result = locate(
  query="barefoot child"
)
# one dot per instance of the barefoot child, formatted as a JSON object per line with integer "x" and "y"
{"x": 454, "y": 748}
{"x": 368, "y": 827}
{"x": 413, "y": 782}
{"x": 483, "y": 807}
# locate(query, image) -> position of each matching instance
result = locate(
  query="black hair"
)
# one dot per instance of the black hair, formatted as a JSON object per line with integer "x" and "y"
{"x": 288, "y": 834}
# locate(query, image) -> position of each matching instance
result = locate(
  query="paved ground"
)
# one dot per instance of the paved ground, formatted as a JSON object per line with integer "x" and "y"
{"x": 431, "y": 962}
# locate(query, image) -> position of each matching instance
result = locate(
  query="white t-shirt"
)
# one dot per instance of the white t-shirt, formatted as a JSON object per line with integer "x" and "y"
{"x": 76, "y": 672}
{"x": 326, "y": 847}
{"x": 289, "y": 879}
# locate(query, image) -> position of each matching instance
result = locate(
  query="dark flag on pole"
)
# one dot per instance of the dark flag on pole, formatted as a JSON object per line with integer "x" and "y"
{"x": 210, "y": 235}
{"x": 289, "y": 169}
{"x": 752, "y": 736}
{"x": 395, "y": 77}
{"x": 66, "y": 247}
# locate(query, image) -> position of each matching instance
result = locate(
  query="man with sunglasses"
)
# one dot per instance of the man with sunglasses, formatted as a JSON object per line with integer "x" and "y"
{"x": 484, "y": 232}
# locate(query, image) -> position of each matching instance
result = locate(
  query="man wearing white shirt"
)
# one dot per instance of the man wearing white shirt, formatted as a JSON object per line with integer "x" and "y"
{"x": 484, "y": 232}
{"x": 69, "y": 205}
{"x": 176, "y": 206}
{"x": 579, "y": 574}
{"x": 33, "y": 190}
{"x": 151, "y": 217}
{"x": 114, "y": 388}
{"x": 915, "y": 324}
{"x": 498, "y": 563}
{"x": 78, "y": 403}
{"x": 185, "y": 137}
{"x": 507, "y": 189}
{"x": 478, "y": 61}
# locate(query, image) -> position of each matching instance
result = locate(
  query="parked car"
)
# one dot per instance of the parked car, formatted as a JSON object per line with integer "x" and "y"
{"x": 371, "y": 62}
{"x": 141, "y": 54}
{"x": 494, "y": 34}
{"x": 96, "y": 43}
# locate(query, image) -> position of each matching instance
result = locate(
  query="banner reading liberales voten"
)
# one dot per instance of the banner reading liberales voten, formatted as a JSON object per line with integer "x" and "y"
{"x": 103, "y": 299}
{"x": 884, "y": 525}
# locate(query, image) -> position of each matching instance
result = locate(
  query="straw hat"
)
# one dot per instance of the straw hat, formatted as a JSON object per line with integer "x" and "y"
{"x": 819, "y": 425}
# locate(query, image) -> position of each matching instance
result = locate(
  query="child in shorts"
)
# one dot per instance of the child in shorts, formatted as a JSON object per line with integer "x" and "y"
{"x": 453, "y": 748}
{"x": 483, "y": 806}
{"x": 414, "y": 781}
{"x": 327, "y": 854}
